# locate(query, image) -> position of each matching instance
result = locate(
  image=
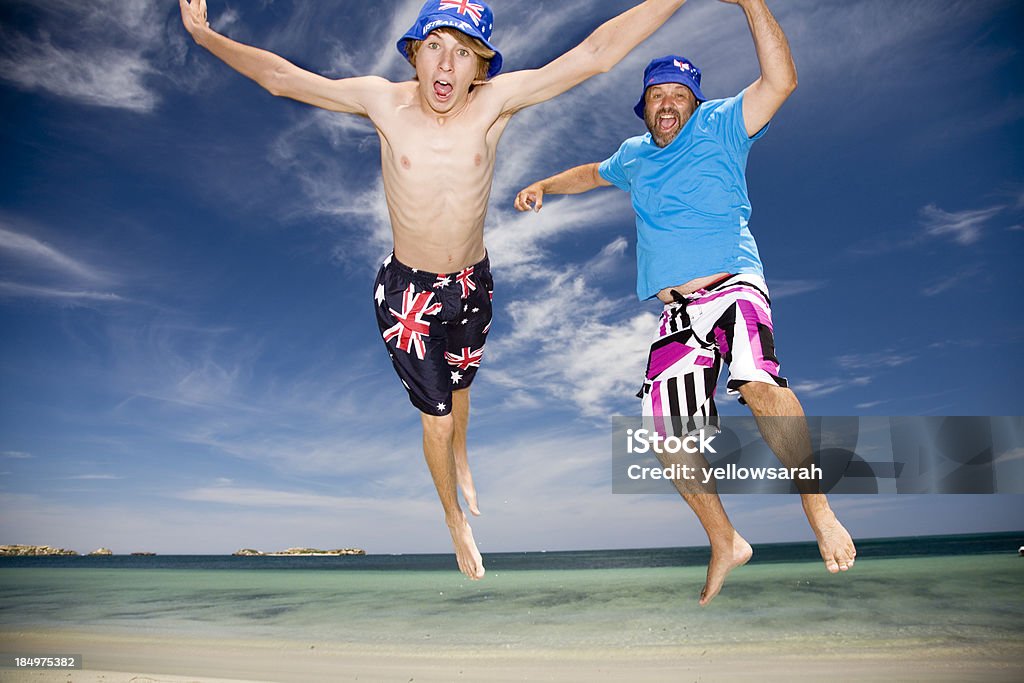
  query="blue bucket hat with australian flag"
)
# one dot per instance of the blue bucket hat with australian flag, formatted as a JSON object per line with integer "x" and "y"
{"x": 475, "y": 19}
{"x": 670, "y": 69}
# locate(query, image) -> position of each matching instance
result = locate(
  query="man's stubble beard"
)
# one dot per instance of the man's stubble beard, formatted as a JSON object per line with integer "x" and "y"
{"x": 652, "y": 125}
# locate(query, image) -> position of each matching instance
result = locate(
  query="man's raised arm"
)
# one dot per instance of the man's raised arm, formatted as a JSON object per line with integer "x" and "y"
{"x": 276, "y": 74}
{"x": 574, "y": 181}
{"x": 602, "y": 50}
{"x": 778, "y": 72}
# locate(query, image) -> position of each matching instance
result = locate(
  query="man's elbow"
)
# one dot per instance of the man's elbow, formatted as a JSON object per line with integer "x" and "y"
{"x": 790, "y": 81}
{"x": 790, "y": 85}
{"x": 783, "y": 86}
{"x": 599, "y": 56}
{"x": 276, "y": 82}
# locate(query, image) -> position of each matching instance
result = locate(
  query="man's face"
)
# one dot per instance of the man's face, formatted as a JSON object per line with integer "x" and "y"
{"x": 445, "y": 69}
{"x": 667, "y": 108}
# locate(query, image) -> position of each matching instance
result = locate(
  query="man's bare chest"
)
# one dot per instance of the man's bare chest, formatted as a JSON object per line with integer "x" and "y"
{"x": 438, "y": 150}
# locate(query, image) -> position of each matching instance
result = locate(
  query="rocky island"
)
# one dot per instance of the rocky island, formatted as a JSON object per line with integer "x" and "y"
{"x": 33, "y": 550}
{"x": 306, "y": 552}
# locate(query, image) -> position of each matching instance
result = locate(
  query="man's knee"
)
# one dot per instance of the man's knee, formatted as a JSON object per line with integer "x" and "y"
{"x": 762, "y": 396}
{"x": 438, "y": 427}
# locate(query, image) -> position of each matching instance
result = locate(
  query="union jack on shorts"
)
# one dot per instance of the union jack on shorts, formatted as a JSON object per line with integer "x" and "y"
{"x": 434, "y": 326}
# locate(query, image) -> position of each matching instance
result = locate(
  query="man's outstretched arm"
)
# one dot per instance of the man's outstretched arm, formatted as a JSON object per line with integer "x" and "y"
{"x": 574, "y": 181}
{"x": 778, "y": 80}
{"x": 276, "y": 74}
{"x": 602, "y": 50}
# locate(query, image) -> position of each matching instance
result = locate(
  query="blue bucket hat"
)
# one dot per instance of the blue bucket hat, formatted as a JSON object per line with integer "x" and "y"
{"x": 475, "y": 19}
{"x": 670, "y": 69}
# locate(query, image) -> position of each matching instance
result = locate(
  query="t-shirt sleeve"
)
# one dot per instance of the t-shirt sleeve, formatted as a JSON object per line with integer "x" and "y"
{"x": 725, "y": 119}
{"x": 613, "y": 169}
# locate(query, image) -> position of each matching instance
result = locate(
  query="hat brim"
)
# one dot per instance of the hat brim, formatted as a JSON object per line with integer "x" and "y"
{"x": 689, "y": 83}
{"x": 431, "y": 22}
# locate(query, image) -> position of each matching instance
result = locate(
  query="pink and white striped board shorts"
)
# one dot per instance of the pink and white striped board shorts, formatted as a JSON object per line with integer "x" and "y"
{"x": 730, "y": 321}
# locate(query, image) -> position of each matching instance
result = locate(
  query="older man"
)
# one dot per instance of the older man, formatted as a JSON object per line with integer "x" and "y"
{"x": 695, "y": 253}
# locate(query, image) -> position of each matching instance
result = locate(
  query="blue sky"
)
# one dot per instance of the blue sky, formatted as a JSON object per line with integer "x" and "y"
{"x": 190, "y": 363}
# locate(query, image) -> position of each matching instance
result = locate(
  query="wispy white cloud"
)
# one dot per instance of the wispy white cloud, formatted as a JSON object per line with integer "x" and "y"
{"x": 98, "y": 54}
{"x": 871, "y": 404}
{"x": 889, "y": 358}
{"x": 105, "y": 78}
{"x": 782, "y": 289}
{"x": 40, "y": 270}
{"x": 16, "y": 455}
{"x": 39, "y": 254}
{"x": 963, "y": 227}
{"x": 15, "y": 290}
{"x": 824, "y": 387}
{"x": 951, "y": 280}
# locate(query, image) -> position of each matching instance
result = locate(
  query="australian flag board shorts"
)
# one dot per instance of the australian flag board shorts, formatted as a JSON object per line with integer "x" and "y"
{"x": 434, "y": 326}
{"x": 730, "y": 321}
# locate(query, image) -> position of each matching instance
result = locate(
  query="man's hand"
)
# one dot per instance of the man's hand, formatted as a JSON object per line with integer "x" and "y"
{"x": 534, "y": 194}
{"x": 573, "y": 181}
{"x": 193, "y": 15}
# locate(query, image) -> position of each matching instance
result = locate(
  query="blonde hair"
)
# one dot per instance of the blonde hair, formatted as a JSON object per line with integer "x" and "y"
{"x": 476, "y": 46}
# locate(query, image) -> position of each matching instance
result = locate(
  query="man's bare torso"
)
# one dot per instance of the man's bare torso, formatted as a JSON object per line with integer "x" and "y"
{"x": 437, "y": 173}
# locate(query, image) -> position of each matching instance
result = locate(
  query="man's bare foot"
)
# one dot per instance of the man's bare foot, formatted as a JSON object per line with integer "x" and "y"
{"x": 725, "y": 557}
{"x": 834, "y": 541}
{"x": 470, "y": 562}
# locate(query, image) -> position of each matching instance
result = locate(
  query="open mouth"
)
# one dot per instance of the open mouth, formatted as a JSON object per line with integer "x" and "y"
{"x": 443, "y": 89}
{"x": 667, "y": 122}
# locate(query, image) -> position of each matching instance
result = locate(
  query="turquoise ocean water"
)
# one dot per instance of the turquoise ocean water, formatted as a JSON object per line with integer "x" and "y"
{"x": 935, "y": 590}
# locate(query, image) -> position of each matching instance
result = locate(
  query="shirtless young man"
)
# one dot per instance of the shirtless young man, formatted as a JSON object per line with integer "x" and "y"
{"x": 438, "y": 136}
{"x": 695, "y": 253}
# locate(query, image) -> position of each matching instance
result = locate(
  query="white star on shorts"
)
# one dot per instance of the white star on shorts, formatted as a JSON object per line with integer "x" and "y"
{"x": 378, "y": 296}
{"x": 441, "y": 407}
{"x": 456, "y": 377}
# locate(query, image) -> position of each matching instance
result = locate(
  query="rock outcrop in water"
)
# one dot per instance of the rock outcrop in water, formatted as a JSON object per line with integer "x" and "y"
{"x": 304, "y": 552}
{"x": 33, "y": 550}
{"x": 102, "y": 551}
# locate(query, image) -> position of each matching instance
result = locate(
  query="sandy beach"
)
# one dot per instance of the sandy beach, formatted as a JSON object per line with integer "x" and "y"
{"x": 113, "y": 658}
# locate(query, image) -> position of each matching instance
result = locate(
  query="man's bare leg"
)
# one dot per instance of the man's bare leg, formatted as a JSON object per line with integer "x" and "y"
{"x": 438, "y": 433}
{"x": 464, "y": 478}
{"x": 728, "y": 549}
{"x": 791, "y": 443}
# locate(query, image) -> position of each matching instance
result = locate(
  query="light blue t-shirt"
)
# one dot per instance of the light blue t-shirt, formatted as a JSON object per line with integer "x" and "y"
{"x": 690, "y": 198}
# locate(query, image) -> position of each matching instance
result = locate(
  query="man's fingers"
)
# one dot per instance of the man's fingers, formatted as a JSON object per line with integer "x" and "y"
{"x": 528, "y": 199}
